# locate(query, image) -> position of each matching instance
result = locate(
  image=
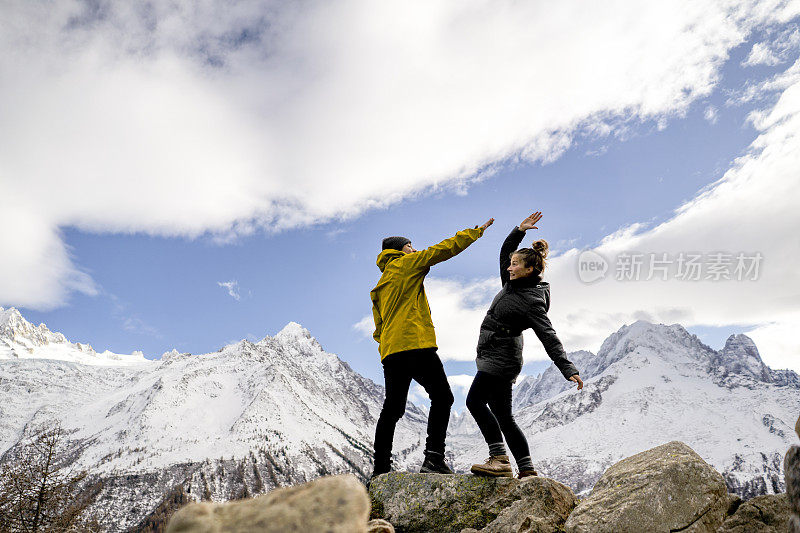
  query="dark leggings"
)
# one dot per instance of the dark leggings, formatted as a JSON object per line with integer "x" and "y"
{"x": 495, "y": 392}
{"x": 425, "y": 367}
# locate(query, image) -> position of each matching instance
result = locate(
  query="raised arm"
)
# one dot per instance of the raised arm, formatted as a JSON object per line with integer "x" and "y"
{"x": 445, "y": 249}
{"x": 512, "y": 243}
{"x": 509, "y": 246}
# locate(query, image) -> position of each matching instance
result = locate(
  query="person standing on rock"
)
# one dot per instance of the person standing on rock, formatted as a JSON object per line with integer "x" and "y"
{"x": 522, "y": 303}
{"x": 407, "y": 343}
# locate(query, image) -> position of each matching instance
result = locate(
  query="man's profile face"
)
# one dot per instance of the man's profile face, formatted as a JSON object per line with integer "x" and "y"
{"x": 407, "y": 249}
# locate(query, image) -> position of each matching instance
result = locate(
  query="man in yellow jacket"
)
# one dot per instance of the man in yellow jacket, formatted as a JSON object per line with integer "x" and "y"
{"x": 407, "y": 342}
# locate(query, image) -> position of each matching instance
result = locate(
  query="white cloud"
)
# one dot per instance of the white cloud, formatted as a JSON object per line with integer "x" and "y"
{"x": 187, "y": 119}
{"x": 460, "y": 383}
{"x": 778, "y": 341}
{"x": 36, "y": 269}
{"x": 711, "y": 114}
{"x": 232, "y": 287}
{"x": 776, "y": 50}
{"x": 365, "y": 326}
{"x": 768, "y": 87}
{"x": 138, "y": 325}
{"x": 761, "y": 54}
{"x": 457, "y": 310}
{"x": 417, "y": 394}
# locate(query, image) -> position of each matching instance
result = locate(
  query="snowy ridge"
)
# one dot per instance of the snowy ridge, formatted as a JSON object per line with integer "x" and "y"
{"x": 19, "y": 339}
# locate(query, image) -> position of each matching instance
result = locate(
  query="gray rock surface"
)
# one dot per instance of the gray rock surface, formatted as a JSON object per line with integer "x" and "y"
{"x": 762, "y": 514}
{"x": 666, "y": 488}
{"x": 452, "y": 503}
{"x": 335, "y": 504}
{"x": 791, "y": 472}
{"x": 734, "y": 501}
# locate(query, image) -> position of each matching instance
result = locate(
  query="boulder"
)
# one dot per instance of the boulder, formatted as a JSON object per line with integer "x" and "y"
{"x": 666, "y": 488}
{"x": 332, "y": 504}
{"x": 791, "y": 471}
{"x": 451, "y": 503}
{"x": 762, "y": 514}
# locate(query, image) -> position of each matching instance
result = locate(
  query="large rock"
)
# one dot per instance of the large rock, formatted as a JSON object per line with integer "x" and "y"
{"x": 762, "y": 514}
{"x": 791, "y": 472}
{"x": 450, "y": 503}
{"x": 336, "y": 504}
{"x": 667, "y": 488}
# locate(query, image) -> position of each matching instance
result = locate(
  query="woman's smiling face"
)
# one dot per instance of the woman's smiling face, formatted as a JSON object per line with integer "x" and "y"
{"x": 517, "y": 269}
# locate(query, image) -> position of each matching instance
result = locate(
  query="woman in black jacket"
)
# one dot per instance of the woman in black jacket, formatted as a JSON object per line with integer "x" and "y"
{"x": 522, "y": 303}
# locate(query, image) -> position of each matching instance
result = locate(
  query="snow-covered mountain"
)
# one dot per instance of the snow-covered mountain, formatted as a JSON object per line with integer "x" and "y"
{"x": 19, "y": 339}
{"x": 253, "y": 416}
{"x": 647, "y": 385}
{"x": 239, "y": 421}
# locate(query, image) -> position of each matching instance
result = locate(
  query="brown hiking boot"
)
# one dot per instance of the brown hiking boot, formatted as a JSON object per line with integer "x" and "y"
{"x": 495, "y": 466}
{"x": 526, "y": 473}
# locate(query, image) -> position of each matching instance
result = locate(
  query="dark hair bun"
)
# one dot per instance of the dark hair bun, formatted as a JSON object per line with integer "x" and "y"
{"x": 541, "y": 247}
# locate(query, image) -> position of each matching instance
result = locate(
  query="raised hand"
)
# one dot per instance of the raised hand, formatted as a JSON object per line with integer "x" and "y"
{"x": 530, "y": 222}
{"x": 487, "y": 223}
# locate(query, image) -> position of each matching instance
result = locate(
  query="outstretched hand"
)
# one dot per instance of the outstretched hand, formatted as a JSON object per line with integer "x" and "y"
{"x": 530, "y": 222}
{"x": 487, "y": 223}
{"x": 577, "y": 379}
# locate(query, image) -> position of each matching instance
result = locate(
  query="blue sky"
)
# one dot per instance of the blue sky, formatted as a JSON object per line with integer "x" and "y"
{"x": 147, "y": 174}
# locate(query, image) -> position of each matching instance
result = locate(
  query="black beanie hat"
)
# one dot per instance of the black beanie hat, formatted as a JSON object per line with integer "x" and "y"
{"x": 394, "y": 243}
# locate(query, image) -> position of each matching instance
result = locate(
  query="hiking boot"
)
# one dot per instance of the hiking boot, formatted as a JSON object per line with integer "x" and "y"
{"x": 495, "y": 466}
{"x": 379, "y": 469}
{"x": 434, "y": 464}
{"x": 526, "y": 473}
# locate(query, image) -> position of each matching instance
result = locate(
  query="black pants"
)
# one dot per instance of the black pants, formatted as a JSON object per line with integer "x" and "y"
{"x": 495, "y": 392}
{"x": 425, "y": 367}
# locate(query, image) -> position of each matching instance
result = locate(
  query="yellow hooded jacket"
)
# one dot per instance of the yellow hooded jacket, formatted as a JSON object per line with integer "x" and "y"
{"x": 399, "y": 305}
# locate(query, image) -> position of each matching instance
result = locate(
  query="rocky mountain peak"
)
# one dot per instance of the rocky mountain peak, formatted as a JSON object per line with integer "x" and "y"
{"x": 11, "y": 321}
{"x": 293, "y": 330}
{"x": 294, "y": 338}
{"x": 19, "y": 339}
{"x": 740, "y": 358}
{"x": 13, "y": 326}
{"x": 9, "y": 315}
{"x": 742, "y": 345}
{"x": 672, "y": 342}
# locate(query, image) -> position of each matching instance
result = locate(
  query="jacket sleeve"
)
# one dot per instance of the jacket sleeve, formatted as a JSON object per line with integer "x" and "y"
{"x": 509, "y": 245}
{"x": 376, "y": 316}
{"x": 540, "y": 323}
{"x": 444, "y": 250}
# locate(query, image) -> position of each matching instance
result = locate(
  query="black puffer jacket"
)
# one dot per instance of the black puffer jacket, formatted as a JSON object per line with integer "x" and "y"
{"x": 521, "y": 304}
